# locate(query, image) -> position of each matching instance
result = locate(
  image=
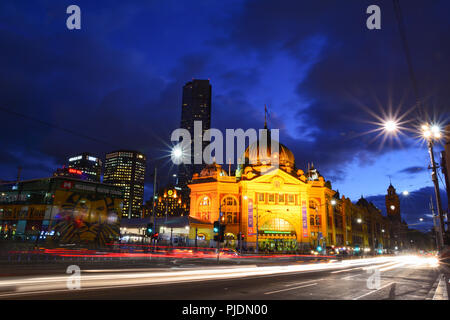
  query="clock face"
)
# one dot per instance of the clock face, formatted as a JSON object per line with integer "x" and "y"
{"x": 277, "y": 182}
{"x": 170, "y": 192}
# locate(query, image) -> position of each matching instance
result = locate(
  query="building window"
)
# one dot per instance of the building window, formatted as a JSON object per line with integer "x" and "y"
{"x": 271, "y": 197}
{"x": 204, "y": 208}
{"x": 260, "y": 197}
{"x": 318, "y": 220}
{"x": 281, "y": 198}
{"x": 230, "y": 210}
{"x": 291, "y": 198}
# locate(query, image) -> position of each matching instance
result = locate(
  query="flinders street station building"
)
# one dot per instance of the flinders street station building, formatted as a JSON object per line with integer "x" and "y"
{"x": 285, "y": 209}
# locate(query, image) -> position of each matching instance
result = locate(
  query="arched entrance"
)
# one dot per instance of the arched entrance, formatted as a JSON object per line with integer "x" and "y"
{"x": 277, "y": 235}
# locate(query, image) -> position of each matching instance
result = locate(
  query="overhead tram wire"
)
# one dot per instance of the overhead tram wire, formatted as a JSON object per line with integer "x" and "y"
{"x": 48, "y": 124}
{"x": 401, "y": 28}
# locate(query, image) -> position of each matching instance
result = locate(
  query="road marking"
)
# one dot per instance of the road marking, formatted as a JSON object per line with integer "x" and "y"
{"x": 300, "y": 283}
{"x": 380, "y": 266}
{"x": 371, "y": 292}
{"x": 346, "y": 270}
{"x": 397, "y": 265}
{"x": 350, "y": 277}
{"x": 306, "y": 285}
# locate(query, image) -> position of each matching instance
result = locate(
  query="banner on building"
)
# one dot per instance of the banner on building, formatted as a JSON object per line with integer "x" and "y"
{"x": 304, "y": 220}
{"x": 251, "y": 229}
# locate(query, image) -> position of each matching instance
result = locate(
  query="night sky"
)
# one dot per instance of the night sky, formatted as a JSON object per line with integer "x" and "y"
{"x": 325, "y": 78}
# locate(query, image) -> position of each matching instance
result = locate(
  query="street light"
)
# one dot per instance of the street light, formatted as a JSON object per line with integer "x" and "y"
{"x": 390, "y": 126}
{"x": 176, "y": 155}
{"x": 432, "y": 133}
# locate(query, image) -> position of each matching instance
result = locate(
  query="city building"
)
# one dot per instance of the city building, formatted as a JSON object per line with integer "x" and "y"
{"x": 70, "y": 173}
{"x": 196, "y": 106}
{"x": 283, "y": 209}
{"x": 60, "y": 210}
{"x": 126, "y": 169}
{"x": 399, "y": 229}
{"x": 170, "y": 203}
{"x": 90, "y": 166}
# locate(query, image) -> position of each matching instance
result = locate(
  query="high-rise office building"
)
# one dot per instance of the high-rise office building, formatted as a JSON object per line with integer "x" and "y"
{"x": 126, "y": 169}
{"x": 90, "y": 166}
{"x": 196, "y": 106}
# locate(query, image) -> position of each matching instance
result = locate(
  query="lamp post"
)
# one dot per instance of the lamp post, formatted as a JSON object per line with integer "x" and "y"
{"x": 333, "y": 203}
{"x": 257, "y": 230}
{"x": 359, "y": 221}
{"x": 153, "y": 208}
{"x": 431, "y": 134}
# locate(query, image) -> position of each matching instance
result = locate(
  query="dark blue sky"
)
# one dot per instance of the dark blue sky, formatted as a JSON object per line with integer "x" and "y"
{"x": 321, "y": 72}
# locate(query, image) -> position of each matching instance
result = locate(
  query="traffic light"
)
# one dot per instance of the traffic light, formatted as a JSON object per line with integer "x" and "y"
{"x": 219, "y": 230}
{"x": 222, "y": 233}
{"x": 216, "y": 226}
{"x": 149, "y": 230}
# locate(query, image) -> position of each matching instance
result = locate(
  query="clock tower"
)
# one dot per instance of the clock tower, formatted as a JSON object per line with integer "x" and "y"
{"x": 393, "y": 204}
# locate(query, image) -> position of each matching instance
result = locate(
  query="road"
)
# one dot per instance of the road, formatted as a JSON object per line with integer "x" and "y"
{"x": 400, "y": 278}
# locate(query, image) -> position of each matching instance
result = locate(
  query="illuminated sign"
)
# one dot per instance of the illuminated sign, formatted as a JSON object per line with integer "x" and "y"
{"x": 66, "y": 185}
{"x": 75, "y": 171}
{"x": 74, "y": 158}
{"x": 277, "y": 232}
{"x": 92, "y": 159}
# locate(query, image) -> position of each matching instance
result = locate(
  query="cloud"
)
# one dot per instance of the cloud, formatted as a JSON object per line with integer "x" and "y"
{"x": 356, "y": 73}
{"x": 414, "y": 206}
{"x": 412, "y": 170}
{"x": 119, "y": 80}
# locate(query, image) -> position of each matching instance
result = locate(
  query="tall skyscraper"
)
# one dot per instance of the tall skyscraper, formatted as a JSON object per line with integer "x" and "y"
{"x": 90, "y": 166}
{"x": 196, "y": 106}
{"x": 126, "y": 169}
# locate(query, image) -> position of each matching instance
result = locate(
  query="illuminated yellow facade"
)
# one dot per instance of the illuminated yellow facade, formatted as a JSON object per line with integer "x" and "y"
{"x": 276, "y": 205}
{"x": 283, "y": 208}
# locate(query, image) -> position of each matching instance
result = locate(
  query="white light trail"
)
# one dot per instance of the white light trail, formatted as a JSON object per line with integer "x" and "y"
{"x": 91, "y": 279}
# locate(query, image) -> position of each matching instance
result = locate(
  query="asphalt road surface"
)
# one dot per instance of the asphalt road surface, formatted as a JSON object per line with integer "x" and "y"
{"x": 390, "y": 278}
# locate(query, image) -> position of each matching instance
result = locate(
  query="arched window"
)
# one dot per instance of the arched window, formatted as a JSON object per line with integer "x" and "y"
{"x": 229, "y": 210}
{"x": 204, "y": 208}
{"x": 277, "y": 224}
{"x": 314, "y": 213}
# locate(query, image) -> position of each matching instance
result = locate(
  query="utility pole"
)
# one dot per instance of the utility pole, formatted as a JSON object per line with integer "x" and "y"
{"x": 19, "y": 171}
{"x": 436, "y": 231}
{"x": 257, "y": 230}
{"x": 196, "y": 235}
{"x": 433, "y": 168}
{"x": 153, "y": 220}
{"x": 218, "y": 239}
